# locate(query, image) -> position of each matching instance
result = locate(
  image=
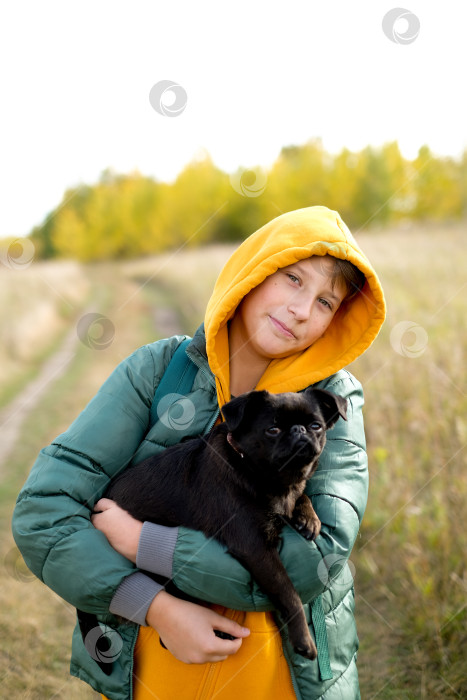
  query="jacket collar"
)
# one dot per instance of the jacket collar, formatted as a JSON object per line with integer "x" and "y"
{"x": 196, "y": 351}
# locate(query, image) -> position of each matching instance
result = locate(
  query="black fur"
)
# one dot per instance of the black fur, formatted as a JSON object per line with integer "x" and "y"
{"x": 241, "y": 483}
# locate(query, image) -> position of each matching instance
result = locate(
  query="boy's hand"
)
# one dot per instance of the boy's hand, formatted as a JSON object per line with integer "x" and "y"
{"x": 187, "y": 630}
{"x": 121, "y": 529}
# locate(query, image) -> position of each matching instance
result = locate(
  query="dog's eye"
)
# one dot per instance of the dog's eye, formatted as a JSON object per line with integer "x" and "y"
{"x": 315, "y": 426}
{"x": 273, "y": 430}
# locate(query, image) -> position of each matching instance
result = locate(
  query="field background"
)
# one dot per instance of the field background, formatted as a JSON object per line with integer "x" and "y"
{"x": 410, "y": 557}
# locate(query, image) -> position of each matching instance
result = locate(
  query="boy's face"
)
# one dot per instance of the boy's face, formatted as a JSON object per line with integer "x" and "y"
{"x": 291, "y": 309}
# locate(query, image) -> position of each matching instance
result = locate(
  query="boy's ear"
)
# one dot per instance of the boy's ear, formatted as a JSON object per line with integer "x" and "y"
{"x": 238, "y": 409}
{"x": 331, "y": 405}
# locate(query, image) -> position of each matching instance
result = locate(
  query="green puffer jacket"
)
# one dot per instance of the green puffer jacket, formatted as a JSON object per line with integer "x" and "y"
{"x": 52, "y": 526}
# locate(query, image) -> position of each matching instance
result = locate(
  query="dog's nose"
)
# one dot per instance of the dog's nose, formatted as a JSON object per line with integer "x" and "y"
{"x": 298, "y": 429}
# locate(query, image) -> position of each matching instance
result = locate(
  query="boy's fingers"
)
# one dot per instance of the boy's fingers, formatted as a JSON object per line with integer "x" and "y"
{"x": 227, "y": 626}
{"x": 102, "y": 504}
{"x": 228, "y": 646}
{"x": 222, "y": 648}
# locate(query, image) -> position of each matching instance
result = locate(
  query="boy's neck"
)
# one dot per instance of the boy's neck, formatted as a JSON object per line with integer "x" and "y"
{"x": 246, "y": 369}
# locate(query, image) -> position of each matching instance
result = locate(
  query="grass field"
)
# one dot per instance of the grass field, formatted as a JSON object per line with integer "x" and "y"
{"x": 409, "y": 559}
{"x": 37, "y": 306}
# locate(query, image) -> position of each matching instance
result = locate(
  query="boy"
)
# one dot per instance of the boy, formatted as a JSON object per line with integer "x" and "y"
{"x": 293, "y": 305}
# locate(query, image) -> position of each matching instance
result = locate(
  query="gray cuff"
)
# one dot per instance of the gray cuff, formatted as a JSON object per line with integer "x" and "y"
{"x": 156, "y": 549}
{"x": 134, "y": 596}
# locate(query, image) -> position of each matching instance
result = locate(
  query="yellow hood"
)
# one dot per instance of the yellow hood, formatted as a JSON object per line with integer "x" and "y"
{"x": 281, "y": 242}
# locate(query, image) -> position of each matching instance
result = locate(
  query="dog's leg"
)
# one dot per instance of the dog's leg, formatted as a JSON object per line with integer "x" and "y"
{"x": 269, "y": 572}
{"x": 304, "y": 518}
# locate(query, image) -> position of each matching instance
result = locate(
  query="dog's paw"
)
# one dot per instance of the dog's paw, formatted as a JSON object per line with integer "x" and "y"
{"x": 304, "y": 518}
{"x": 309, "y": 527}
{"x": 309, "y": 651}
{"x": 300, "y": 637}
{"x": 312, "y": 529}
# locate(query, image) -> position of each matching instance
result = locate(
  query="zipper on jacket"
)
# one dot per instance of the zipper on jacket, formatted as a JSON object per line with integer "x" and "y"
{"x": 212, "y": 379}
{"x": 289, "y": 663}
{"x": 208, "y": 374}
{"x": 205, "y": 693}
{"x": 292, "y": 676}
{"x": 211, "y": 424}
{"x": 132, "y": 662}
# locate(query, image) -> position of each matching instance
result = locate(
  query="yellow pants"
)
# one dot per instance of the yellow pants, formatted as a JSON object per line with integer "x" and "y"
{"x": 258, "y": 670}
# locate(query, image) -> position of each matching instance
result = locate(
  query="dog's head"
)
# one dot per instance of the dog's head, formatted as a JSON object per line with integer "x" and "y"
{"x": 283, "y": 434}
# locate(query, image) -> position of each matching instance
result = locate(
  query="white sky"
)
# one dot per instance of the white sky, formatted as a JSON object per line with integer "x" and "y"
{"x": 76, "y": 77}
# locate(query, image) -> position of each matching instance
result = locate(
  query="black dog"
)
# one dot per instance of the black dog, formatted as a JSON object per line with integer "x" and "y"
{"x": 241, "y": 483}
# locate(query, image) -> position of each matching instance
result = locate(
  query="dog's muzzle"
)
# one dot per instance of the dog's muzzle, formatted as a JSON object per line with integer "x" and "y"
{"x": 304, "y": 443}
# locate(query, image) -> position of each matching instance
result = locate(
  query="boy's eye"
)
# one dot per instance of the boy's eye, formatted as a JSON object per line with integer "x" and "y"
{"x": 325, "y": 302}
{"x": 292, "y": 277}
{"x": 273, "y": 430}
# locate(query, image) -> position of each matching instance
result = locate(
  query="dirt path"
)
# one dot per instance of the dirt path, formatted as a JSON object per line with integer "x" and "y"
{"x": 13, "y": 415}
{"x": 36, "y": 624}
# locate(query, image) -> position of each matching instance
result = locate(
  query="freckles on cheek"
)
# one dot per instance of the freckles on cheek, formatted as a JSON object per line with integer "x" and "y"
{"x": 320, "y": 330}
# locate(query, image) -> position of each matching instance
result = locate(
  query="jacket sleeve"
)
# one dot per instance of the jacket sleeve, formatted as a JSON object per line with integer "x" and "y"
{"x": 338, "y": 490}
{"x": 51, "y": 521}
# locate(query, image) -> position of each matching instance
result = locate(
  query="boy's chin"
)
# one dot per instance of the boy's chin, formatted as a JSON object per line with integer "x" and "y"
{"x": 279, "y": 353}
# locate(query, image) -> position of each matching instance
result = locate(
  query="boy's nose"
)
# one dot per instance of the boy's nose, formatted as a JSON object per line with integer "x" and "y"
{"x": 301, "y": 308}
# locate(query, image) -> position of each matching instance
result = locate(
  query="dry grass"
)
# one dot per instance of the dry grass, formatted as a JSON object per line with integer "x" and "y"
{"x": 37, "y": 304}
{"x": 411, "y": 578}
{"x": 410, "y": 558}
{"x": 181, "y": 281}
{"x": 36, "y": 625}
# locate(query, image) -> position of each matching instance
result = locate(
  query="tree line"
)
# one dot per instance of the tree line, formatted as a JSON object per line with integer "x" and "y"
{"x": 130, "y": 215}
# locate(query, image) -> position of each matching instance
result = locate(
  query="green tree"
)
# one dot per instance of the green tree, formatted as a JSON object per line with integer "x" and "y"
{"x": 438, "y": 187}
{"x": 342, "y": 185}
{"x": 373, "y": 188}
{"x": 124, "y": 216}
{"x": 194, "y": 207}
{"x": 299, "y": 178}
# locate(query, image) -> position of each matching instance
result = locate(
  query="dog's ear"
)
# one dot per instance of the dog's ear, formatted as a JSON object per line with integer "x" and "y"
{"x": 331, "y": 405}
{"x": 238, "y": 409}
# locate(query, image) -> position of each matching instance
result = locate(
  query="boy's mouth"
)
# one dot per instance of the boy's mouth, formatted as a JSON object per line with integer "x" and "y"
{"x": 282, "y": 327}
